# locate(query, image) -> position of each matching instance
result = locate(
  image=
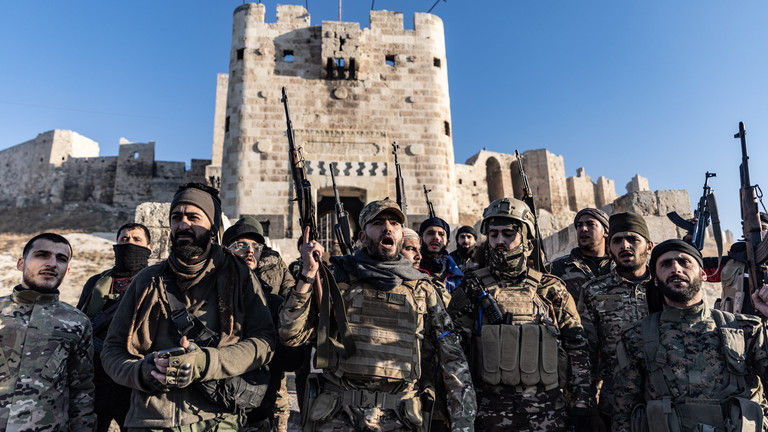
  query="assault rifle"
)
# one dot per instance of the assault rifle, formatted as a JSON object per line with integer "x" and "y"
{"x": 341, "y": 228}
{"x": 538, "y": 250}
{"x": 757, "y": 248}
{"x": 429, "y": 203}
{"x": 400, "y": 185}
{"x": 327, "y": 292}
{"x": 705, "y": 211}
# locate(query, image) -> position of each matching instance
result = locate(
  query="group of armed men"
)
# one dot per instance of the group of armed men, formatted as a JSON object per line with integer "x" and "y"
{"x": 402, "y": 335}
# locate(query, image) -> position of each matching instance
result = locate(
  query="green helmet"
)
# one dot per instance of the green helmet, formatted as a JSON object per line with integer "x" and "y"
{"x": 508, "y": 208}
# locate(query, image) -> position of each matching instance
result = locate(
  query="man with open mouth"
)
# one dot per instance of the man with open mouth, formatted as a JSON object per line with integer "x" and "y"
{"x": 611, "y": 303}
{"x": 372, "y": 377}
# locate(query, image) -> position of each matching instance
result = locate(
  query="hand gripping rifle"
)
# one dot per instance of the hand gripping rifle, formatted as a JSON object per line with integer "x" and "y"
{"x": 429, "y": 203}
{"x": 326, "y": 290}
{"x": 706, "y": 210}
{"x": 538, "y": 247}
{"x": 341, "y": 229}
{"x": 757, "y": 248}
{"x": 400, "y": 186}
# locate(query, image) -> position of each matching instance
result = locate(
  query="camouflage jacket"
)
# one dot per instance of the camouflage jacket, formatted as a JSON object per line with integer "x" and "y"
{"x": 298, "y": 321}
{"x": 274, "y": 272}
{"x": 575, "y": 272}
{"x": 464, "y": 309}
{"x": 608, "y": 305}
{"x": 694, "y": 361}
{"x": 46, "y": 367}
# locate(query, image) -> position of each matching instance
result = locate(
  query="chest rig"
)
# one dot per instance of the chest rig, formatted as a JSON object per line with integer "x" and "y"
{"x": 523, "y": 349}
{"x": 387, "y": 328}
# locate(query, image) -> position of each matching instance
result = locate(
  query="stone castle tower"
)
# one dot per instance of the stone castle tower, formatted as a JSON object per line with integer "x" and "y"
{"x": 352, "y": 92}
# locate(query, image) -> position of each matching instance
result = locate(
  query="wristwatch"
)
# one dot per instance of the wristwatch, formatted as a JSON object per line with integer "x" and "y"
{"x": 306, "y": 279}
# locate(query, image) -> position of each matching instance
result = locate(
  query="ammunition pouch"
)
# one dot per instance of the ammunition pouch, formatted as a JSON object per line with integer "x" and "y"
{"x": 239, "y": 393}
{"x": 525, "y": 354}
{"x": 699, "y": 415}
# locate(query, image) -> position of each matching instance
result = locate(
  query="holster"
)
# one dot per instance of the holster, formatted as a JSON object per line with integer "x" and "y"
{"x": 427, "y": 397}
{"x": 313, "y": 389}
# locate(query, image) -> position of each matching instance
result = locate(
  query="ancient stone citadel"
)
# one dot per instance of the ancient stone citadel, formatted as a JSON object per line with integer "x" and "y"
{"x": 352, "y": 93}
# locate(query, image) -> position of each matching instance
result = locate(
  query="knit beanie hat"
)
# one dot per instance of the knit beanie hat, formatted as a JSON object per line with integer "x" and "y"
{"x": 595, "y": 213}
{"x": 674, "y": 245}
{"x": 466, "y": 229}
{"x": 435, "y": 221}
{"x": 628, "y": 221}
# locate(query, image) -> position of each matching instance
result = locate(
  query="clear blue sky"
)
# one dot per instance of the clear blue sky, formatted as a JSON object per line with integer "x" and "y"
{"x": 653, "y": 87}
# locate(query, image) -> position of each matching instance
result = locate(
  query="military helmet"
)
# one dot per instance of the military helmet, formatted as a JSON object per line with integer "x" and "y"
{"x": 508, "y": 208}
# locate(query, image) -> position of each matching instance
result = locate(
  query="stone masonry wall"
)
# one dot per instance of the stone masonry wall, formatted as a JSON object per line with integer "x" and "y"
{"x": 64, "y": 167}
{"x": 351, "y": 92}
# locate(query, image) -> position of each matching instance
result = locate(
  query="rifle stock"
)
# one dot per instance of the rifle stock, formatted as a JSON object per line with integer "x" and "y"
{"x": 341, "y": 229}
{"x": 400, "y": 185}
{"x": 757, "y": 249}
{"x": 538, "y": 249}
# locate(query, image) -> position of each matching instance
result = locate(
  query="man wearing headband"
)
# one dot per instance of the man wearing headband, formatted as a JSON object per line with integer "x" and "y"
{"x": 390, "y": 309}
{"x": 612, "y": 302}
{"x": 590, "y": 258}
{"x": 689, "y": 368}
{"x": 434, "y": 233}
{"x": 515, "y": 317}
{"x": 99, "y": 300}
{"x": 189, "y": 327}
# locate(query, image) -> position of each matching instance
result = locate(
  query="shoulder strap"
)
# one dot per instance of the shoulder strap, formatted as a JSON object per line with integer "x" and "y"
{"x": 331, "y": 296}
{"x": 186, "y": 323}
{"x": 655, "y": 356}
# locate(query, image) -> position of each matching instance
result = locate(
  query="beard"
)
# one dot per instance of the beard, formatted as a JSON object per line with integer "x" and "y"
{"x": 45, "y": 286}
{"x": 382, "y": 254}
{"x": 195, "y": 248}
{"x": 684, "y": 292}
{"x": 641, "y": 256}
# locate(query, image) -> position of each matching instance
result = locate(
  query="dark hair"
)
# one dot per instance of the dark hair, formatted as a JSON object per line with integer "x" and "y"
{"x": 52, "y": 237}
{"x": 132, "y": 226}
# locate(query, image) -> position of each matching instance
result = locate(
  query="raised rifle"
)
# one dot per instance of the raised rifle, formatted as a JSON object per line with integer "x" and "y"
{"x": 757, "y": 249}
{"x": 430, "y": 207}
{"x": 538, "y": 249}
{"x": 400, "y": 185}
{"x": 327, "y": 292}
{"x": 341, "y": 228}
{"x": 705, "y": 211}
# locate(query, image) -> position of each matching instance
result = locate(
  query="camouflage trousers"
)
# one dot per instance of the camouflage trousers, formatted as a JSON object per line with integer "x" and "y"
{"x": 282, "y": 406}
{"x": 502, "y": 414}
{"x": 227, "y": 423}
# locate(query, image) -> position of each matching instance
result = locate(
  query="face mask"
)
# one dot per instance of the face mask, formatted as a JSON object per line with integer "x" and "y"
{"x": 510, "y": 263}
{"x": 130, "y": 258}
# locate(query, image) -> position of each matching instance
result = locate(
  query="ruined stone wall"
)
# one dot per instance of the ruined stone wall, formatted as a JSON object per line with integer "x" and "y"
{"x": 581, "y": 191}
{"x": 32, "y": 171}
{"x": 64, "y": 167}
{"x": 352, "y": 92}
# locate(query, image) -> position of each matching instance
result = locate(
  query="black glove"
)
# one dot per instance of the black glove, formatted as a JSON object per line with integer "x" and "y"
{"x": 147, "y": 366}
{"x": 580, "y": 419}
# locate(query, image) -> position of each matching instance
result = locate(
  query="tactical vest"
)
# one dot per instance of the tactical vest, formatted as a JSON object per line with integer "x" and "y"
{"x": 524, "y": 349}
{"x": 100, "y": 295}
{"x": 731, "y": 410}
{"x": 386, "y": 327}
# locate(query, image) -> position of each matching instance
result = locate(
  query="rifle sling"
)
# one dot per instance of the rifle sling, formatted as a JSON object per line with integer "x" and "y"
{"x": 332, "y": 295}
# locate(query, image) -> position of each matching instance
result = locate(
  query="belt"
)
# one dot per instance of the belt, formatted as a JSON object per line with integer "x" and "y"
{"x": 367, "y": 399}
